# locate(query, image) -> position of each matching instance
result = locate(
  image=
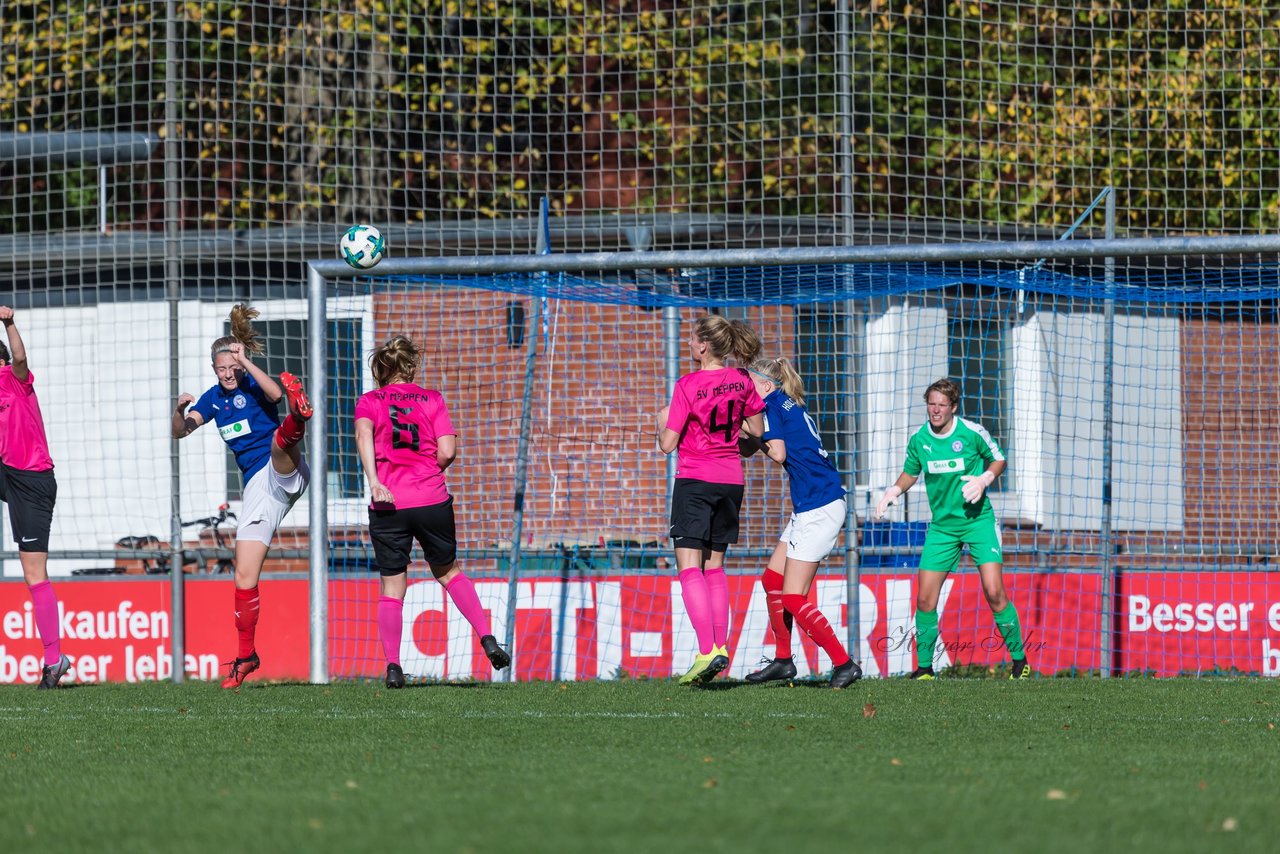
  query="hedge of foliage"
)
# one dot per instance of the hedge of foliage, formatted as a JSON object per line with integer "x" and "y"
{"x": 429, "y": 109}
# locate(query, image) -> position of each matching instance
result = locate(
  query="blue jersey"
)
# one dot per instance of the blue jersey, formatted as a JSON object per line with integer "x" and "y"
{"x": 814, "y": 480}
{"x": 246, "y": 421}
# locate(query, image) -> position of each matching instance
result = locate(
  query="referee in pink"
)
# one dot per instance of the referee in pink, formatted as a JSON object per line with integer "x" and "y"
{"x": 27, "y": 485}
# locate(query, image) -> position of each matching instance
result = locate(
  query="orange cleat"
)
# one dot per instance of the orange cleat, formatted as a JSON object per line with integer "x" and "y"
{"x": 299, "y": 405}
{"x": 240, "y": 668}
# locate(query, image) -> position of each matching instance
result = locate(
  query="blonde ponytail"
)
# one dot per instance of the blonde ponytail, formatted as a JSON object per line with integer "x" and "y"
{"x": 242, "y": 332}
{"x": 396, "y": 359}
{"x": 783, "y": 374}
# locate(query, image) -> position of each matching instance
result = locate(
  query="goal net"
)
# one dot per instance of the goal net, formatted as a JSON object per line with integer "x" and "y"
{"x": 1119, "y": 399}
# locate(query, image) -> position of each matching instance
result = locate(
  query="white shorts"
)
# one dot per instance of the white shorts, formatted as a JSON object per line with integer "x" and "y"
{"x": 267, "y": 497}
{"x": 810, "y": 536}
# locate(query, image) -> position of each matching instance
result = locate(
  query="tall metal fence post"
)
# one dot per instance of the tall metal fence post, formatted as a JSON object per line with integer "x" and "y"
{"x": 318, "y": 431}
{"x": 522, "y": 457}
{"x": 1106, "y": 658}
{"x": 671, "y": 375}
{"x": 173, "y": 296}
{"x": 521, "y": 481}
{"x": 849, "y": 426}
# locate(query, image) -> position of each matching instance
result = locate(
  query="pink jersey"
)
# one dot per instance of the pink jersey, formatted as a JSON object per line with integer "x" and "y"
{"x": 707, "y": 410}
{"x": 23, "y": 444}
{"x": 407, "y": 421}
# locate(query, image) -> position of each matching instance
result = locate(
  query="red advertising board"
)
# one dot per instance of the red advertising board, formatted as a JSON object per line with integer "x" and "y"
{"x": 603, "y": 627}
{"x": 610, "y": 626}
{"x": 1189, "y": 622}
{"x": 119, "y": 631}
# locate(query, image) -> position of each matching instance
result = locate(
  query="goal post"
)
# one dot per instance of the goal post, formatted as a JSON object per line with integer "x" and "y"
{"x": 1066, "y": 322}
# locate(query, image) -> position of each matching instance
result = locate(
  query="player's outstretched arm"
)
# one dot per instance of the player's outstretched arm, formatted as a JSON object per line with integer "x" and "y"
{"x": 899, "y": 488}
{"x": 17, "y": 350}
{"x": 183, "y": 423}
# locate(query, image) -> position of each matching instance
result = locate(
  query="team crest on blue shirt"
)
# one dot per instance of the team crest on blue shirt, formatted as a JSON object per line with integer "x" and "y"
{"x": 239, "y": 403}
{"x": 957, "y": 446}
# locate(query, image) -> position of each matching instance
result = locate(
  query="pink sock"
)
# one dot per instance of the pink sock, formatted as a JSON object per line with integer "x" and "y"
{"x": 390, "y": 626}
{"x": 697, "y": 602}
{"x": 44, "y": 602}
{"x": 718, "y": 588}
{"x": 463, "y": 594}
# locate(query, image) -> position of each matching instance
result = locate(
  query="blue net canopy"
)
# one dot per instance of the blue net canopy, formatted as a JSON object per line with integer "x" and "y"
{"x": 796, "y": 285}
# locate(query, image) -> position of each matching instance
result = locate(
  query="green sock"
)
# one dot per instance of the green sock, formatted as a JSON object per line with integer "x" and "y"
{"x": 1011, "y": 631}
{"x": 926, "y": 636}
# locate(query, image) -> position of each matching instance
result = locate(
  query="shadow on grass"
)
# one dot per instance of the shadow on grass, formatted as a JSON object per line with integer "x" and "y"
{"x": 439, "y": 684}
{"x": 727, "y": 684}
{"x": 62, "y": 686}
{"x": 376, "y": 684}
{"x": 730, "y": 684}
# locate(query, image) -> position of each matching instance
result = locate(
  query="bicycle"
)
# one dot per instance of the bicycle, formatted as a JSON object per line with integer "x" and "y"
{"x": 222, "y": 563}
{"x": 198, "y": 557}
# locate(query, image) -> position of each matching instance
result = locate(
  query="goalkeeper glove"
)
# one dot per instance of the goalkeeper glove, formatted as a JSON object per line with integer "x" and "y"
{"x": 975, "y": 485}
{"x": 890, "y": 495}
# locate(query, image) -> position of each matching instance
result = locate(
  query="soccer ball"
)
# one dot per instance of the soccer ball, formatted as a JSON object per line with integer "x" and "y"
{"x": 362, "y": 246}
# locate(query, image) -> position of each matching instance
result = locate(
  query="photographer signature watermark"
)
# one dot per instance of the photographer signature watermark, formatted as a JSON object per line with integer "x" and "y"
{"x": 906, "y": 638}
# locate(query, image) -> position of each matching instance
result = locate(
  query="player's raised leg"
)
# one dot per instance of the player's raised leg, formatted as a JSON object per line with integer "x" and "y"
{"x": 286, "y": 451}
{"x": 462, "y": 592}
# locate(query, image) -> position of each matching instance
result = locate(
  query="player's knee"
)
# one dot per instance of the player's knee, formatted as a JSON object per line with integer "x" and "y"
{"x": 36, "y": 573}
{"x": 444, "y": 573}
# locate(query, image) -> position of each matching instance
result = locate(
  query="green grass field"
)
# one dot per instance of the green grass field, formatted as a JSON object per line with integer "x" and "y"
{"x": 956, "y": 765}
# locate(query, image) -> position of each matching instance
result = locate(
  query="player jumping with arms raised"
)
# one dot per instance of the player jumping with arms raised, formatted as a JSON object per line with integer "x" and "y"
{"x": 244, "y": 406}
{"x": 960, "y": 461}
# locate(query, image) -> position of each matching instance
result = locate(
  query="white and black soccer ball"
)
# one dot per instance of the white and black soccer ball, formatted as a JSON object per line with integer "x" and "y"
{"x": 362, "y": 246}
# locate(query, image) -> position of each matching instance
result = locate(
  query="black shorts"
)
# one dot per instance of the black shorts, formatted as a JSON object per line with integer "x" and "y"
{"x": 705, "y": 515}
{"x": 393, "y": 533}
{"x": 30, "y": 496}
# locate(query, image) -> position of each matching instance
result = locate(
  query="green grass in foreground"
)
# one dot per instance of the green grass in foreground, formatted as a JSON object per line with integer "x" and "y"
{"x": 955, "y": 765}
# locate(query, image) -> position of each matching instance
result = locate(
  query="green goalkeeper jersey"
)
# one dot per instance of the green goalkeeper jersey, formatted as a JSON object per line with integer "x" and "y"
{"x": 966, "y": 449}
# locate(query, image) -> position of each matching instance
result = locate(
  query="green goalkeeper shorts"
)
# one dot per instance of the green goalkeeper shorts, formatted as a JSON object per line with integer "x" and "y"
{"x": 943, "y": 544}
